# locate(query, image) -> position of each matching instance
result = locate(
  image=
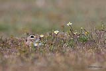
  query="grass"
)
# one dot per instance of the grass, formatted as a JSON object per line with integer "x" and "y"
{"x": 71, "y": 49}
{"x": 26, "y": 15}
{"x": 60, "y": 51}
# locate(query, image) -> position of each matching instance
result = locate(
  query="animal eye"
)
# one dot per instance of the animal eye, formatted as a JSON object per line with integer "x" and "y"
{"x": 32, "y": 36}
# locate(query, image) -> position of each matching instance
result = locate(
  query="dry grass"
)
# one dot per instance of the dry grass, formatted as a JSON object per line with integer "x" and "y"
{"x": 68, "y": 50}
{"x": 63, "y": 51}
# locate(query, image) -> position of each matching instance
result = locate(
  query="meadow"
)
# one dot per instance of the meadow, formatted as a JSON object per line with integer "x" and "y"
{"x": 64, "y": 35}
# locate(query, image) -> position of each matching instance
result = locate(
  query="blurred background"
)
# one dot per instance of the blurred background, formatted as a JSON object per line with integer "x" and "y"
{"x": 39, "y": 16}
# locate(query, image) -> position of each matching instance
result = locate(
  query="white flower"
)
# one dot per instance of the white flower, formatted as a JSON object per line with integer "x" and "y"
{"x": 36, "y": 44}
{"x": 75, "y": 32}
{"x": 40, "y": 44}
{"x": 69, "y": 24}
{"x": 82, "y": 28}
{"x": 56, "y": 32}
{"x": 41, "y": 36}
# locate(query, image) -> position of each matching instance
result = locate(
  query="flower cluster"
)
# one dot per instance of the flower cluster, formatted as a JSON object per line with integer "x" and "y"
{"x": 81, "y": 35}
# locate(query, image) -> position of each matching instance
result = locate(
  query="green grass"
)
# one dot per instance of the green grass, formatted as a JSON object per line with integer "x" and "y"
{"x": 28, "y": 15}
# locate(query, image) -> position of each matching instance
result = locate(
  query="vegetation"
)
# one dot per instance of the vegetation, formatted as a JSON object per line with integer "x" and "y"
{"x": 59, "y": 51}
{"x": 35, "y": 36}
